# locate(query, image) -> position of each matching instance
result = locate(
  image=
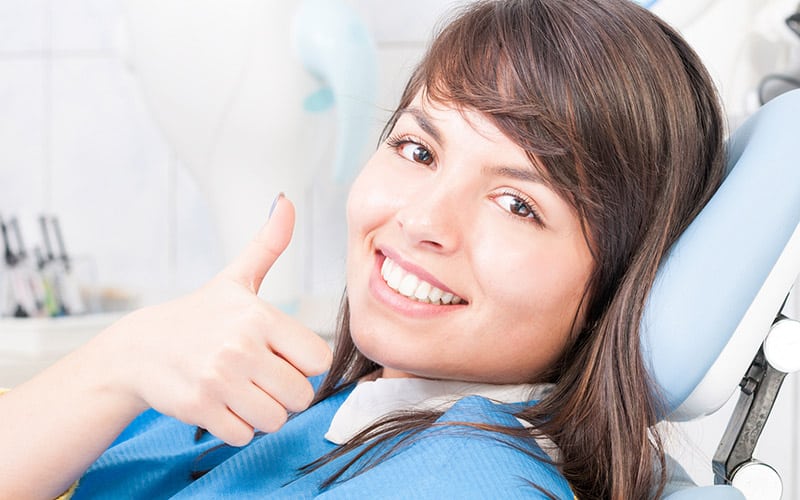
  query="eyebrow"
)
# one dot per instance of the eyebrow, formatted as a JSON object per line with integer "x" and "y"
{"x": 424, "y": 122}
{"x": 522, "y": 174}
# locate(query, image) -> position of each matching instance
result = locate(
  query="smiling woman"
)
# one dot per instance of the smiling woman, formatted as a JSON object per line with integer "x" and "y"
{"x": 543, "y": 158}
{"x": 456, "y": 206}
{"x": 503, "y": 238}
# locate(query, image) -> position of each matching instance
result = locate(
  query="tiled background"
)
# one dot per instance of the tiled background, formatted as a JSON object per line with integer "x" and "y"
{"x": 77, "y": 140}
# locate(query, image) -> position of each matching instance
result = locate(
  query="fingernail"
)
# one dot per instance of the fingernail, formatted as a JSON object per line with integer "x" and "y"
{"x": 274, "y": 204}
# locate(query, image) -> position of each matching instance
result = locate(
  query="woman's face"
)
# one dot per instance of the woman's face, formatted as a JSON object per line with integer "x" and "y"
{"x": 462, "y": 264}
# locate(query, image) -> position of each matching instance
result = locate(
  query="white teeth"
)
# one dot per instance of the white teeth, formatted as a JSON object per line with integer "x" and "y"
{"x": 408, "y": 285}
{"x": 423, "y": 290}
{"x": 386, "y": 267}
{"x": 395, "y": 276}
{"x": 413, "y": 287}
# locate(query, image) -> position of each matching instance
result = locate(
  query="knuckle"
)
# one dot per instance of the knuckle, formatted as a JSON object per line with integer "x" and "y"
{"x": 322, "y": 361}
{"x": 209, "y": 379}
{"x": 305, "y": 396}
{"x": 253, "y": 314}
{"x": 239, "y": 436}
{"x": 301, "y": 398}
{"x": 232, "y": 354}
{"x": 195, "y": 404}
{"x": 206, "y": 393}
{"x": 277, "y": 418}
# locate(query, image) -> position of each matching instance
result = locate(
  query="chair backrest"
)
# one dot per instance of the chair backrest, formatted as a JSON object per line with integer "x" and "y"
{"x": 723, "y": 282}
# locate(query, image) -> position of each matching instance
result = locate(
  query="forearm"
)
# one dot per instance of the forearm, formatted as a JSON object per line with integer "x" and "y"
{"x": 55, "y": 426}
{"x": 219, "y": 358}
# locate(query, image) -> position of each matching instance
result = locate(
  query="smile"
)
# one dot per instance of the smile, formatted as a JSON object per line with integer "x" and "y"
{"x": 411, "y": 286}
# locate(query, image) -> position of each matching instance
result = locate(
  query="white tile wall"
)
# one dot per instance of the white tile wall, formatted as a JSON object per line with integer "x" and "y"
{"x": 85, "y": 25}
{"x": 413, "y": 23}
{"x": 109, "y": 170}
{"x": 23, "y": 122}
{"x": 24, "y": 25}
{"x": 194, "y": 254}
{"x": 76, "y": 139}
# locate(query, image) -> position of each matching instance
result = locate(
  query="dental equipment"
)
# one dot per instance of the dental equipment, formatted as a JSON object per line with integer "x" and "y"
{"x": 20, "y": 299}
{"x": 709, "y": 315}
{"x": 57, "y": 271}
{"x": 68, "y": 287}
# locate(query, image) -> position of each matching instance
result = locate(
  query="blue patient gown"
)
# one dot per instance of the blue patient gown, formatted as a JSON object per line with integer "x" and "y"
{"x": 155, "y": 456}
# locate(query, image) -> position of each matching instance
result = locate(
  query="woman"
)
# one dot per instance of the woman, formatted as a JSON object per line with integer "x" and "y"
{"x": 502, "y": 241}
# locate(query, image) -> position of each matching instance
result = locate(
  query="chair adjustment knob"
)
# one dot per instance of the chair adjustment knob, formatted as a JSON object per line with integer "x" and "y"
{"x": 757, "y": 481}
{"x": 782, "y": 345}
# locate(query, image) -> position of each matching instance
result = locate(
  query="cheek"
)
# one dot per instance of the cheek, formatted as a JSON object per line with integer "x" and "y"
{"x": 369, "y": 208}
{"x": 370, "y": 200}
{"x": 357, "y": 223}
{"x": 355, "y": 202}
{"x": 531, "y": 283}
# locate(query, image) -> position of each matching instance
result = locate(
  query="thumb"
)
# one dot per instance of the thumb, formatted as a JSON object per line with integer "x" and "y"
{"x": 250, "y": 267}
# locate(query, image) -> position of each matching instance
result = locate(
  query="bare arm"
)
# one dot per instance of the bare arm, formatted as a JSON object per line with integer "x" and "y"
{"x": 55, "y": 425}
{"x": 219, "y": 358}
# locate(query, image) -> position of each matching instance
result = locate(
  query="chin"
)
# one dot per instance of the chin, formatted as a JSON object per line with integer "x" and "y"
{"x": 377, "y": 349}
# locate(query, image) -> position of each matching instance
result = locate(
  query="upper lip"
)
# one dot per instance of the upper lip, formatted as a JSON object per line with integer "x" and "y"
{"x": 417, "y": 271}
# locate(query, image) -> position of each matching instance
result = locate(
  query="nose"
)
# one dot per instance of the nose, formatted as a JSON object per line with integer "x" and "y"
{"x": 430, "y": 220}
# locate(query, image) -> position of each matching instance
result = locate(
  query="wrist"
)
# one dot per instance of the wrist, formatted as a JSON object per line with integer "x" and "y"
{"x": 108, "y": 365}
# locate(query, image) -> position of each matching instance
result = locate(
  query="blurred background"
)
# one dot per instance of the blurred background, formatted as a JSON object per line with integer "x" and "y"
{"x": 142, "y": 143}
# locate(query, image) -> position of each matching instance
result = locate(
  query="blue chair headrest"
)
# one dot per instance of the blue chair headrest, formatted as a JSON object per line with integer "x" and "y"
{"x": 730, "y": 269}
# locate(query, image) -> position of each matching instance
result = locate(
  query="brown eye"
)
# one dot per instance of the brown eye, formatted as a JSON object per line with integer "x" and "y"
{"x": 416, "y": 153}
{"x": 517, "y": 206}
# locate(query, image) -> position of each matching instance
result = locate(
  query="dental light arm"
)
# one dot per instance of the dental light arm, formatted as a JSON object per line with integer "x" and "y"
{"x": 336, "y": 48}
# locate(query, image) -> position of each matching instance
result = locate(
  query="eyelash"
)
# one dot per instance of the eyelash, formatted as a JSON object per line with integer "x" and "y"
{"x": 396, "y": 142}
{"x": 528, "y": 204}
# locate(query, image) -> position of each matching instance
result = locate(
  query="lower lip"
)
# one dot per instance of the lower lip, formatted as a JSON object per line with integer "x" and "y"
{"x": 400, "y": 303}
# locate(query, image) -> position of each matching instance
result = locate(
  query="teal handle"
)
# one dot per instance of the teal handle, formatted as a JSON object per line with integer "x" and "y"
{"x": 335, "y": 46}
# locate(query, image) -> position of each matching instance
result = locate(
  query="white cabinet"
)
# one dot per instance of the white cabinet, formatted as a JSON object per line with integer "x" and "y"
{"x": 29, "y": 345}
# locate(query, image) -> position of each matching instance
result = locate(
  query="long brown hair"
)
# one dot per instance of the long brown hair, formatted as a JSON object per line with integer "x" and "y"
{"x": 621, "y": 118}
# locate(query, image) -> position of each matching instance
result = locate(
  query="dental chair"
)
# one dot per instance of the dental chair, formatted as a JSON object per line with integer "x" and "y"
{"x": 715, "y": 322}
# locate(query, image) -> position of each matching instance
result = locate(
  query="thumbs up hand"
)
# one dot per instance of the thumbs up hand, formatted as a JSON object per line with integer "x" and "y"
{"x": 221, "y": 358}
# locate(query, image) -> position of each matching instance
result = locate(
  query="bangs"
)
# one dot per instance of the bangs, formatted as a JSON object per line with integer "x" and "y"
{"x": 481, "y": 62}
{"x": 487, "y": 65}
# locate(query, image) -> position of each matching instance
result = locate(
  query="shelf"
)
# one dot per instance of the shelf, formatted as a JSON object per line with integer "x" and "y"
{"x": 28, "y": 345}
{"x": 33, "y": 336}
